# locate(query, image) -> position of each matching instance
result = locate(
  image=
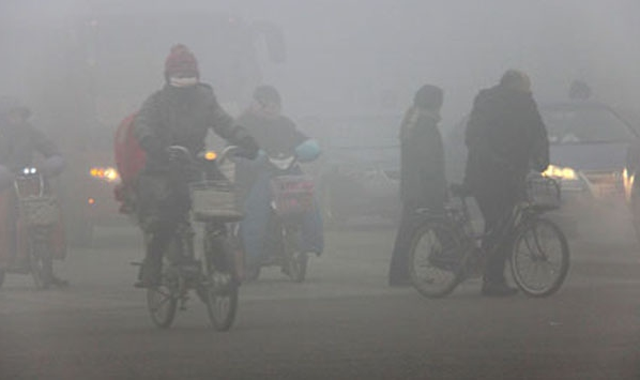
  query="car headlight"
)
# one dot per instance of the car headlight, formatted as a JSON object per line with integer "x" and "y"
{"x": 108, "y": 174}
{"x": 627, "y": 182}
{"x": 559, "y": 172}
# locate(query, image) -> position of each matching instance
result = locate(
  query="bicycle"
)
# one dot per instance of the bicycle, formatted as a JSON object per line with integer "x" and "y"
{"x": 38, "y": 223}
{"x": 446, "y": 250}
{"x": 213, "y": 204}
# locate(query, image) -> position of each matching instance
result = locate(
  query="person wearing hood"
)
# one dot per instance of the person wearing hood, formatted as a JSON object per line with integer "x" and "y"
{"x": 181, "y": 113}
{"x": 505, "y": 138}
{"x": 422, "y": 173}
{"x": 20, "y": 142}
{"x": 277, "y": 136}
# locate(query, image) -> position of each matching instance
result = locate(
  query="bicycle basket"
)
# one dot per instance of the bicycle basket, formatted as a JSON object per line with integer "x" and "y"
{"x": 543, "y": 192}
{"x": 292, "y": 194}
{"x": 214, "y": 200}
{"x": 39, "y": 211}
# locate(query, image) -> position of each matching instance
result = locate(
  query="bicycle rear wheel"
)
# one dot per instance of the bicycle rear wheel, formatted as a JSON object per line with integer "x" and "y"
{"x": 40, "y": 262}
{"x": 436, "y": 259}
{"x": 162, "y": 300}
{"x": 295, "y": 264}
{"x": 540, "y": 258}
{"x": 162, "y": 305}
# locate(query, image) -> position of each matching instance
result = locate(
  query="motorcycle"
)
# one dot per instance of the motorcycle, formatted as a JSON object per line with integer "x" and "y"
{"x": 292, "y": 198}
{"x": 38, "y": 237}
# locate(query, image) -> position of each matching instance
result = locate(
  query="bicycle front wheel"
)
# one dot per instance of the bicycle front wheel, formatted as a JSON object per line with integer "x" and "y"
{"x": 540, "y": 258}
{"x": 436, "y": 259}
{"x": 222, "y": 286}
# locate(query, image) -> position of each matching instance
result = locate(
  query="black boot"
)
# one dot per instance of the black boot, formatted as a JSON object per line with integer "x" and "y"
{"x": 149, "y": 275}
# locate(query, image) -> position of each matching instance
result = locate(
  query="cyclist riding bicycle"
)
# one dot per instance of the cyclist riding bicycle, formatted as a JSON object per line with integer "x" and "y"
{"x": 19, "y": 143}
{"x": 181, "y": 113}
{"x": 277, "y": 135}
{"x": 505, "y": 138}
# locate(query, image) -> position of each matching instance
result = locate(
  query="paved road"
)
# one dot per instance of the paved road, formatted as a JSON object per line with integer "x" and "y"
{"x": 343, "y": 323}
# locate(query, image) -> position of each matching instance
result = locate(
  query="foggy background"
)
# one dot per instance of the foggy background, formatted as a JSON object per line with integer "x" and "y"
{"x": 347, "y": 57}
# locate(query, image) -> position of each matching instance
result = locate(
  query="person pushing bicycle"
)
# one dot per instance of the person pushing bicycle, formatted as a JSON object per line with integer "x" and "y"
{"x": 505, "y": 138}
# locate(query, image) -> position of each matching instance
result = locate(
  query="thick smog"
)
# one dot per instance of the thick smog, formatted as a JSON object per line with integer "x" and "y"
{"x": 319, "y": 190}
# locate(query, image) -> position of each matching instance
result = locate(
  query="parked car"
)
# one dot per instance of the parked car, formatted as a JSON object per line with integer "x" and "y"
{"x": 589, "y": 145}
{"x": 358, "y": 174}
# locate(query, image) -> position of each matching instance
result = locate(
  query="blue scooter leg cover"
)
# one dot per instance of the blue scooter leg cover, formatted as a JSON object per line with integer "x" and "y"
{"x": 253, "y": 227}
{"x": 312, "y": 231}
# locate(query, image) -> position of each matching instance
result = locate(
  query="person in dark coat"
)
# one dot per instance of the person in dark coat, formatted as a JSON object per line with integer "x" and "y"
{"x": 181, "y": 113}
{"x": 422, "y": 173}
{"x": 505, "y": 138}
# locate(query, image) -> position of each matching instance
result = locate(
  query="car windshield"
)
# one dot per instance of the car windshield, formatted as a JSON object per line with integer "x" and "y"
{"x": 576, "y": 125}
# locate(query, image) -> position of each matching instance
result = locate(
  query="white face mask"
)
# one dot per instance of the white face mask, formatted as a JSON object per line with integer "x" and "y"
{"x": 183, "y": 82}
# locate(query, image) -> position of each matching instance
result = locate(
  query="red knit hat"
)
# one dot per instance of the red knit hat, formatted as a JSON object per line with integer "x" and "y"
{"x": 181, "y": 60}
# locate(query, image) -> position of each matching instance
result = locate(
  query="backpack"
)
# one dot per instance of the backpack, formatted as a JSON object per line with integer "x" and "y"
{"x": 130, "y": 158}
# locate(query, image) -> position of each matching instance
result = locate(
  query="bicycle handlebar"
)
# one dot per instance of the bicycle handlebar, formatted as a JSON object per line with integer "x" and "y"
{"x": 182, "y": 152}
{"x": 226, "y": 152}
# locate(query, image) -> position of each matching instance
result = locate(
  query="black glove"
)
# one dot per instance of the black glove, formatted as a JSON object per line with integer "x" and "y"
{"x": 249, "y": 147}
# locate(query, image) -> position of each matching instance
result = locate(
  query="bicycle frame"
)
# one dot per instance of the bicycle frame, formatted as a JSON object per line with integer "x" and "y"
{"x": 446, "y": 250}
{"x": 522, "y": 212}
{"x": 215, "y": 283}
{"x": 183, "y": 248}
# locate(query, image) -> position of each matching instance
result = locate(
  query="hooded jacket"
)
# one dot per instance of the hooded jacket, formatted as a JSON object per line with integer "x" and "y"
{"x": 19, "y": 143}
{"x": 504, "y": 135}
{"x": 422, "y": 172}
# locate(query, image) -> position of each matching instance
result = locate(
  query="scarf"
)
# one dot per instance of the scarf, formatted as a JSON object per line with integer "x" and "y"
{"x": 183, "y": 82}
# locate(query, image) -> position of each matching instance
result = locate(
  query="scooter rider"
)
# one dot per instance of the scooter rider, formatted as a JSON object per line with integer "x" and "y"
{"x": 19, "y": 143}
{"x": 181, "y": 113}
{"x": 276, "y": 135}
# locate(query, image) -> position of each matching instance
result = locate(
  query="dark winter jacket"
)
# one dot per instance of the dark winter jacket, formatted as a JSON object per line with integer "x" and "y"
{"x": 181, "y": 116}
{"x": 19, "y": 143}
{"x": 422, "y": 172}
{"x": 504, "y": 135}
{"x": 274, "y": 134}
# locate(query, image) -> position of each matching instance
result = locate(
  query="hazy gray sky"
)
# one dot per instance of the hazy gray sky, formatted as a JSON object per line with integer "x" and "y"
{"x": 348, "y": 53}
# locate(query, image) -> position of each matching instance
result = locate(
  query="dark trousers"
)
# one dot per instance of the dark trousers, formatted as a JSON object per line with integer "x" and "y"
{"x": 496, "y": 207}
{"x": 162, "y": 207}
{"x": 399, "y": 267}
